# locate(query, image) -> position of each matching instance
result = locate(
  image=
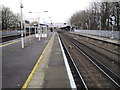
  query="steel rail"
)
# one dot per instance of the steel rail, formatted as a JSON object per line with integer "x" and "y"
{"x": 84, "y": 86}
{"x": 114, "y": 52}
{"x": 110, "y": 74}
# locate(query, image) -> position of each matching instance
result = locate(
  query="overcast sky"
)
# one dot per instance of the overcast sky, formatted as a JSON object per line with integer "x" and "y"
{"x": 58, "y": 10}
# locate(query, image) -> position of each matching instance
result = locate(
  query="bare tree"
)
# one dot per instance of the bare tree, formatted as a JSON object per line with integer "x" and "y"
{"x": 9, "y": 19}
{"x": 97, "y": 16}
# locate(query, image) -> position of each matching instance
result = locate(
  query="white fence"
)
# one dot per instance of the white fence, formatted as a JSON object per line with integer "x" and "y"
{"x": 103, "y": 33}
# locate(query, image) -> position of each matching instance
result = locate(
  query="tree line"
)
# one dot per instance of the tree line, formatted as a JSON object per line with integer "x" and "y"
{"x": 97, "y": 16}
{"x": 10, "y": 20}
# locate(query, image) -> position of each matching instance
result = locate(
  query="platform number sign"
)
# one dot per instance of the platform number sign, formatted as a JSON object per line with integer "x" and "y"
{"x": 112, "y": 19}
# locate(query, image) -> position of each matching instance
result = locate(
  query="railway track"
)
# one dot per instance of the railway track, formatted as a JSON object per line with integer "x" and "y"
{"x": 99, "y": 70}
{"x": 11, "y": 37}
{"x": 99, "y": 45}
{"x": 109, "y": 59}
{"x": 102, "y": 49}
{"x": 80, "y": 83}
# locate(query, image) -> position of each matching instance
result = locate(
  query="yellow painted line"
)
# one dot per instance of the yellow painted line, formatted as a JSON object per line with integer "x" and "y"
{"x": 15, "y": 41}
{"x": 35, "y": 67}
{"x": 9, "y": 43}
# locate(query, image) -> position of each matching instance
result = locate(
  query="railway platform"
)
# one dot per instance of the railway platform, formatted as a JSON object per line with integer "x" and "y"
{"x": 17, "y": 63}
{"x": 50, "y": 69}
{"x": 41, "y": 64}
{"x": 109, "y": 40}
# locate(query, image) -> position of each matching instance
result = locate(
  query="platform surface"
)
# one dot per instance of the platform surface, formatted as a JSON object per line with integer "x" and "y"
{"x": 17, "y": 63}
{"x": 51, "y": 72}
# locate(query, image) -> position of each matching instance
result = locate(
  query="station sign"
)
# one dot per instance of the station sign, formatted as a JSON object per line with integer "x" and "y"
{"x": 112, "y": 19}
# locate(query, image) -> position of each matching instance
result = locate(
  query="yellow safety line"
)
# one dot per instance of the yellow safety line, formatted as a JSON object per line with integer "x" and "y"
{"x": 35, "y": 67}
{"x": 9, "y": 43}
{"x": 15, "y": 41}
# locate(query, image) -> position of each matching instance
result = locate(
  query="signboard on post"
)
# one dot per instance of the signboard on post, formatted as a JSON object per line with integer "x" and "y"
{"x": 112, "y": 20}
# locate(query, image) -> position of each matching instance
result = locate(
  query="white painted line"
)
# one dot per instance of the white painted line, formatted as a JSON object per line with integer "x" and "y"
{"x": 72, "y": 82}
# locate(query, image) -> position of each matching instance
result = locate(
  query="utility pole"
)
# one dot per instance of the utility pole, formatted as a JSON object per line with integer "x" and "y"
{"x": 39, "y": 34}
{"x": 22, "y": 33}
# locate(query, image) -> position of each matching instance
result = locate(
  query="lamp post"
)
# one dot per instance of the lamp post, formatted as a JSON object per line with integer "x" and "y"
{"x": 39, "y": 33}
{"x": 22, "y": 36}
